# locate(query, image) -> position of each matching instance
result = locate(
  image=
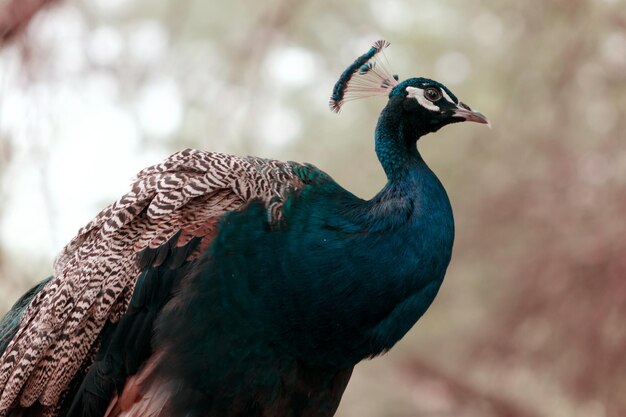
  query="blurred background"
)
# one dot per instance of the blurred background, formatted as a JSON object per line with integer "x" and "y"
{"x": 531, "y": 319}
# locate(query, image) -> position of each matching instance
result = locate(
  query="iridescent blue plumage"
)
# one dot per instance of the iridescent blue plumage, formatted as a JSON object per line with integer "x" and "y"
{"x": 341, "y": 280}
{"x": 272, "y": 317}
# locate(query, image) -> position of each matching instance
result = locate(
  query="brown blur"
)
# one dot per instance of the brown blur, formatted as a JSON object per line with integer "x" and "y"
{"x": 531, "y": 319}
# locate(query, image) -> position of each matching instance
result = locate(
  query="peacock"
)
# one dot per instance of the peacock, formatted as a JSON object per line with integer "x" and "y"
{"x": 222, "y": 285}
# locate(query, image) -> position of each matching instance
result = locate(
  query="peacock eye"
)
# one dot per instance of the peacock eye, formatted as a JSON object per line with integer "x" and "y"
{"x": 432, "y": 94}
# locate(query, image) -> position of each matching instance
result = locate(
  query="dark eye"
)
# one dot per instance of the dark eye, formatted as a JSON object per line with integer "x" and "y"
{"x": 432, "y": 94}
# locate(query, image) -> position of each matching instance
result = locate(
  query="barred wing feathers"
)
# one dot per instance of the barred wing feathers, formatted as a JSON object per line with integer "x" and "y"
{"x": 176, "y": 201}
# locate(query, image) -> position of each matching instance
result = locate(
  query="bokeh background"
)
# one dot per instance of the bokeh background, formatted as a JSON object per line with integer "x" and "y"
{"x": 531, "y": 319}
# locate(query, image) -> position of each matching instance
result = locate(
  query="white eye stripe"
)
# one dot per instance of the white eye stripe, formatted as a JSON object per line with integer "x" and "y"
{"x": 447, "y": 97}
{"x": 418, "y": 94}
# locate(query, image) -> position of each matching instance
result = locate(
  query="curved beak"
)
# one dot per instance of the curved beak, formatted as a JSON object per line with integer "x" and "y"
{"x": 463, "y": 111}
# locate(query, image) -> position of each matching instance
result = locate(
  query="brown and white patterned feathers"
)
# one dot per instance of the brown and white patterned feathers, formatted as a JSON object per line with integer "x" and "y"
{"x": 95, "y": 274}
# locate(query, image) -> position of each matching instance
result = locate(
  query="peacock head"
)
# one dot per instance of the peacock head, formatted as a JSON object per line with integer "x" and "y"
{"x": 433, "y": 105}
{"x": 427, "y": 103}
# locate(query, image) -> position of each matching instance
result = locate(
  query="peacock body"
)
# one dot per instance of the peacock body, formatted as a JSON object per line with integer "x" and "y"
{"x": 238, "y": 286}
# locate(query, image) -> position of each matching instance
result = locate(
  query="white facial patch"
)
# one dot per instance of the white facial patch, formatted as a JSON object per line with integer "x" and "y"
{"x": 418, "y": 94}
{"x": 447, "y": 97}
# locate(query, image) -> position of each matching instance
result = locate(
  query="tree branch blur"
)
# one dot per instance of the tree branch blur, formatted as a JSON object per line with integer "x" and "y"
{"x": 15, "y": 16}
{"x": 463, "y": 394}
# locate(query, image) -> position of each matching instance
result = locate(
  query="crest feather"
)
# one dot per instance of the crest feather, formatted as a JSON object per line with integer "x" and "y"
{"x": 367, "y": 76}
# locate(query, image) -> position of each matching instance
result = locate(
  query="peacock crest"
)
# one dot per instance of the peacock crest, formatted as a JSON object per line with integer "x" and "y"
{"x": 367, "y": 76}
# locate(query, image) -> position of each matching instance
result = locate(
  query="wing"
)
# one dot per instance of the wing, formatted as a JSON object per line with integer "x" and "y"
{"x": 171, "y": 213}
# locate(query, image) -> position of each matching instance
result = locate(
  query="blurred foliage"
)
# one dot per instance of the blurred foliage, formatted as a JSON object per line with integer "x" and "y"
{"x": 529, "y": 321}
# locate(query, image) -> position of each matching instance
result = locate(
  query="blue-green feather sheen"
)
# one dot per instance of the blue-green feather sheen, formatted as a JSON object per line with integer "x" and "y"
{"x": 339, "y": 279}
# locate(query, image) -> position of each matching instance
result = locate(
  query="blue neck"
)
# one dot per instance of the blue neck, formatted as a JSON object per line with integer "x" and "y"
{"x": 395, "y": 141}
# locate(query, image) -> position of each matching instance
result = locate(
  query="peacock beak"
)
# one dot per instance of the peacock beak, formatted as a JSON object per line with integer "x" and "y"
{"x": 463, "y": 111}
